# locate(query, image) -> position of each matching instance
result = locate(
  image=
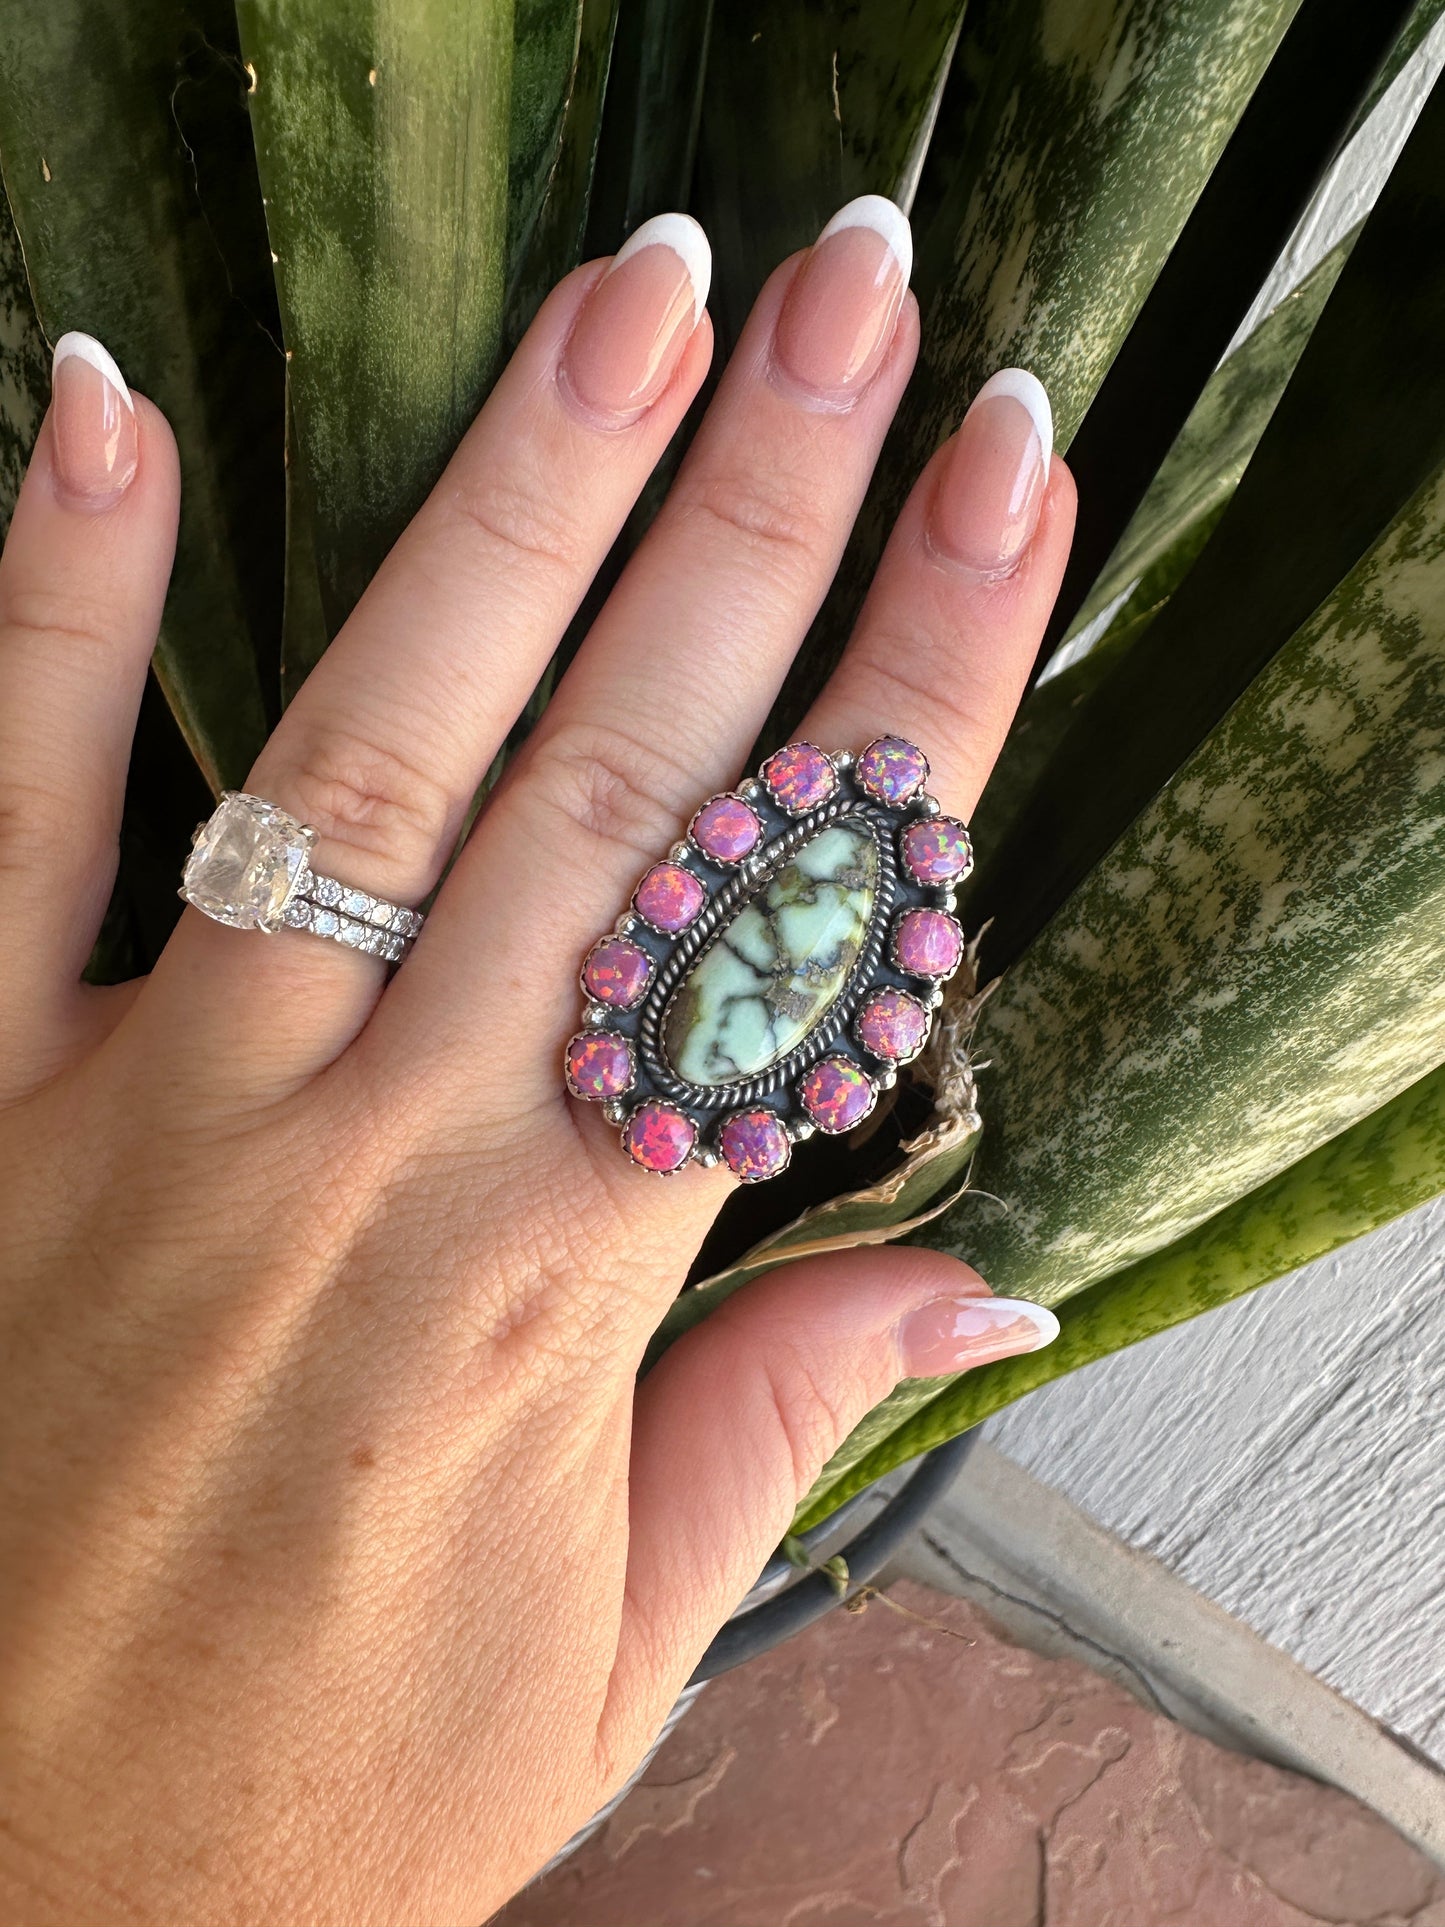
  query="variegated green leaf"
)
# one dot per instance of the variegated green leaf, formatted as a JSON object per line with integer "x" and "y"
{"x": 650, "y": 121}
{"x": 1094, "y": 132}
{"x": 1359, "y": 429}
{"x": 806, "y": 107}
{"x": 1390, "y": 1161}
{"x": 126, "y": 160}
{"x": 550, "y": 182}
{"x": 1258, "y": 964}
{"x": 382, "y": 135}
{"x": 1172, "y": 525}
{"x": 24, "y": 368}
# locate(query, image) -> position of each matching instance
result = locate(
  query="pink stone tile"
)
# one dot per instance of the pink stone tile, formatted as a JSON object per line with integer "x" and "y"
{"x": 912, "y": 1768}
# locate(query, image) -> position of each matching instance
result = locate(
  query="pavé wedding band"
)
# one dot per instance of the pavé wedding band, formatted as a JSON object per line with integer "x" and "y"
{"x": 250, "y": 868}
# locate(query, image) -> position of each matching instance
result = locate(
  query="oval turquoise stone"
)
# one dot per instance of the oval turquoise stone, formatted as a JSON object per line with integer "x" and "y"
{"x": 779, "y": 966}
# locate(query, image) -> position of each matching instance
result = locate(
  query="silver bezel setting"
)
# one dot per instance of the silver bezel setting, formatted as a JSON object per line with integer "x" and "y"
{"x": 728, "y": 886}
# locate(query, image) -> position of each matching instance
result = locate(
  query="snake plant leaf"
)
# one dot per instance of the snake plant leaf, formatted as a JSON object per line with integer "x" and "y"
{"x": 1258, "y": 963}
{"x": 1175, "y": 520}
{"x": 1386, "y": 1164}
{"x": 1358, "y": 430}
{"x": 126, "y": 162}
{"x": 24, "y": 368}
{"x": 650, "y": 121}
{"x": 1423, "y": 17}
{"x": 382, "y": 137}
{"x": 806, "y": 107}
{"x": 546, "y": 224}
{"x": 1296, "y": 121}
{"x": 1096, "y": 129}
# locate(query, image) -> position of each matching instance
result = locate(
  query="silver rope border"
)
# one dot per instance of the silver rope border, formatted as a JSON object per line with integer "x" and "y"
{"x": 883, "y": 822}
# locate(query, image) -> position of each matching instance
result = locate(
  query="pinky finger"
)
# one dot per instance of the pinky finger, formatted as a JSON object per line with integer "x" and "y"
{"x": 82, "y": 582}
{"x": 738, "y": 1419}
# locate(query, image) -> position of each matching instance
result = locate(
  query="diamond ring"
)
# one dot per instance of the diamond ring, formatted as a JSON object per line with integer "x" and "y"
{"x": 250, "y": 867}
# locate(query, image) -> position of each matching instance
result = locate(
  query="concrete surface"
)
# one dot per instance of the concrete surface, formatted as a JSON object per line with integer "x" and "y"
{"x": 911, "y": 1767}
{"x": 1061, "y": 1584}
{"x": 1284, "y": 1456}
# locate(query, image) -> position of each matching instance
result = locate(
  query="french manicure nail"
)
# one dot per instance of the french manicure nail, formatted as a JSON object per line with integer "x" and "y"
{"x": 840, "y": 313}
{"x": 637, "y": 320}
{"x": 952, "y": 1334}
{"x": 991, "y": 490}
{"x": 92, "y": 423}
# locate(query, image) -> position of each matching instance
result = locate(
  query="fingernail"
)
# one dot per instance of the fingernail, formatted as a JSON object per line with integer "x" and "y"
{"x": 952, "y": 1334}
{"x": 636, "y": 322}
{"x": 992, "y": 488}
{"x": 842, "y": 307}
{"x": 92, "y": 422}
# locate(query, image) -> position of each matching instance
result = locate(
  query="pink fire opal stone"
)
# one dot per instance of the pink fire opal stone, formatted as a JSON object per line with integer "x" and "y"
{"x": 936, "y": 849}
{"x": 726, "y": 829}
{"x": 837, "y": 1094}
{"x": 669, "y": 897}
{"x": 616, "y": 972}
{"x": 892, "y": 1025}
{"x": 799, "y": 778}
{"x": 891, "y": 770}
{"x": 927, "y": 943}
{"x": 755, "y": 1145}
{"x": 599, "y": 1064}
{"x": 658, "y": 1137}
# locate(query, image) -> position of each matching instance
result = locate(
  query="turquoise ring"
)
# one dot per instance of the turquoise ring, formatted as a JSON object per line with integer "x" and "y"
{"x": 778, "y": 965}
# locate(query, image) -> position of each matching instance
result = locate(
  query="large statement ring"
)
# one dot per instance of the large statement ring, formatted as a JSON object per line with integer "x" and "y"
{"x": 776, "y": 969}
{"x": 250, "y": 867}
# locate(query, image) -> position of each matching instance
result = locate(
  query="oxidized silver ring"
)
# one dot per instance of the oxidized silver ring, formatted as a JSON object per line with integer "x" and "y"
{"x": 778, "y": 966}
{"x": 250, "y": 867}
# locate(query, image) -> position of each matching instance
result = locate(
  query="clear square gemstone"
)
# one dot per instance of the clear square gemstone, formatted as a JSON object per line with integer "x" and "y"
{"x": 245, "y": 863}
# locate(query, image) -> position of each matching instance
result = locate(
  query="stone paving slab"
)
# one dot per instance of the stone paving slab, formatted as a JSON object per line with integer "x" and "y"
{"x": 910, "y": 1766}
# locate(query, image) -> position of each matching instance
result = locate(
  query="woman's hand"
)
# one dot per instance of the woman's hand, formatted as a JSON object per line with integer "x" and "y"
{"x": 344, "y": 1570}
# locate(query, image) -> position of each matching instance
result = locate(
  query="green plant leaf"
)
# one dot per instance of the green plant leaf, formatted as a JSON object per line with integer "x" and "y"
{"x": 1383, "y": 1166}
{"x": 1160, "y": 546}
{"x": 1095, "y": 129}
{"x": 556, "y": 124}
{"x": 806, "y": 107}
{"x": 650, "y": 123}
{"x": 24, "y": 369}
{"x": 1359, "y": 429}
{"x": 382, "y": 136}
{"x": 125, "y": 152}
{"x": 1255, "y": 966}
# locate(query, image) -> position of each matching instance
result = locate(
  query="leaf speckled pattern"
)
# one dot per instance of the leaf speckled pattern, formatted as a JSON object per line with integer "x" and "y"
{"x": 382, "y": 136}
{"x": 1043, "y": 246}
{"x": 1386, "y": 1164}
{"x": 1256, "y": 966}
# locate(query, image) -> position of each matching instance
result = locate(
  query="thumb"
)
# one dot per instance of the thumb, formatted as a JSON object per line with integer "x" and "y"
{"x": 736, "y": 1421}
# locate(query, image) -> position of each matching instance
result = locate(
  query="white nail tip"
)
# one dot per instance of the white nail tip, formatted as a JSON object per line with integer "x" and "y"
{"x": 1030, "y": 393}
{"x": 876, "y": 211}
{"x": 1039, "y": 1316}
{"x": 87, "y": 348}
{"x": 686, "y": 239}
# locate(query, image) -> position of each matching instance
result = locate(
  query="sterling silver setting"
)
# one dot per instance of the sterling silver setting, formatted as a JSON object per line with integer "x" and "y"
{"x": 880, "y": 1018}
{"x": 250, "y": 869}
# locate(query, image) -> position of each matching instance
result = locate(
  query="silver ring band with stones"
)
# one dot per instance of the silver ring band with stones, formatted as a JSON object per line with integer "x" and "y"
{"x": 250, "y": 868}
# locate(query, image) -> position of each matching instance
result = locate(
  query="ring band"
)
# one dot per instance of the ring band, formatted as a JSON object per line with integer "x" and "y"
{"x": 250, "y": 868}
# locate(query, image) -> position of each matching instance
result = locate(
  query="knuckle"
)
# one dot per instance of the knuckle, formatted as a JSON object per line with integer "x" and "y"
{"x": 767, "y": 514}
{"x": 55, "y": 614}
{"x": 620, "y": 792}
{"x": 519, "y": 517}
{"x": 371, "y": 798}
{"x": 811, "y": 1415}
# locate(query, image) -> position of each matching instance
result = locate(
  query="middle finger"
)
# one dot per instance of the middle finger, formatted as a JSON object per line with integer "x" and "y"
{"x": 680, "y": 669}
